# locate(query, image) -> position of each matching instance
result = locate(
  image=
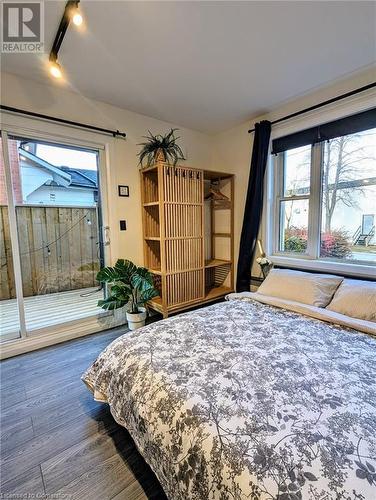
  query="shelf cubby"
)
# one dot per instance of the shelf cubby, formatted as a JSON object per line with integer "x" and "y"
{"x": 151, "y": 221}
{"x": 150, "y": 187}
{"x": 217, "y": 276}
{"x": 152, "y": 250}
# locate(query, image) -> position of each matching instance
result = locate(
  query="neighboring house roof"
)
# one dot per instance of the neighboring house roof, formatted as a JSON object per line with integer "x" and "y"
{"x": 44, "y": 164}
{"x": 82, "y": 177}
{"x": 76, "y": 177}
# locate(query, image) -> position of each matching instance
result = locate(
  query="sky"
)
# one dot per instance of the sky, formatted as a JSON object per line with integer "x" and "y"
{"x": 74, "y": 158}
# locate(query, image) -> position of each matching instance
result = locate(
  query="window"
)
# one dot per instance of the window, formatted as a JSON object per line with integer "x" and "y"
{"x": 348, "y": 205}
{"x": 294, "y": 201}
{"x": 325, "y": 193}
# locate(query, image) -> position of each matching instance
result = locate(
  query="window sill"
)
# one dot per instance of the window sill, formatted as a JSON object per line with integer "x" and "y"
{"x": 346, "y": 269}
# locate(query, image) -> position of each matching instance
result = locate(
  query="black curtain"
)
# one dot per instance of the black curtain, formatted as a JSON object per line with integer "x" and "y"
{"x": 253, "y": 205}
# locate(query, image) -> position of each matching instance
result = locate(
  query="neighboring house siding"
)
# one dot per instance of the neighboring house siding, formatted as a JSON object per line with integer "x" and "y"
{"x": 32, "y": 179}
{"x": 350, "y": 218}
{"x": 62, "y": 196}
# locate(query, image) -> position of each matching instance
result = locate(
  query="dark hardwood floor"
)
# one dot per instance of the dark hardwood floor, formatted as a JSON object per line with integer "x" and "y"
{"x": 55, "y": 440}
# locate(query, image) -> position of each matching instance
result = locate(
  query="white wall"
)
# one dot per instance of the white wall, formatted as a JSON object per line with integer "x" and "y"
{"x": 57, "y": 101}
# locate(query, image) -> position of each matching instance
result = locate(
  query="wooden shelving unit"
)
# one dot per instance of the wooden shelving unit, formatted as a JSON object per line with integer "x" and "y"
{"x": 183, "y": 230}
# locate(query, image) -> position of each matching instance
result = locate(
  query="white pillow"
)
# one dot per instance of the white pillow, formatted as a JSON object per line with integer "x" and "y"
{"x": 307, "y": 288}
{"x": 356, "y": 299}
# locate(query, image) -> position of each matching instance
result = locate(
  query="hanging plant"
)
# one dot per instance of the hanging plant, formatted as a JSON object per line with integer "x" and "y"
{"x": 160, "y": 148}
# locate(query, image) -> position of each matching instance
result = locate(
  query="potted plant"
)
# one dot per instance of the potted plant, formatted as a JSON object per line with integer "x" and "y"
{"x": 160, "y": 148}
{"x": 127, "y": 284}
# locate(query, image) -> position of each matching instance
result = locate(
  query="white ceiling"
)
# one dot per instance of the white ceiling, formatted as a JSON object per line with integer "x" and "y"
{"x": 207, "y": 65}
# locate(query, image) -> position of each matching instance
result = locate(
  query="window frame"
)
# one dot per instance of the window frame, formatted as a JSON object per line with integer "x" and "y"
{"x": 314, "y": 204}
{"x": 310, "y": 260}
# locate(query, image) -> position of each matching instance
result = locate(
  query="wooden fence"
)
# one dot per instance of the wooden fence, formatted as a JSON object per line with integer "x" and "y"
{"x": 69, "y": 262}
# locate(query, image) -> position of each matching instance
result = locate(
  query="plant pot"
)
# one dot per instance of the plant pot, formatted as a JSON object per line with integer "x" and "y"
{"x": 136, "y": 320}
{"x": 159, "y": 156}
{"x": 119, "y": 315}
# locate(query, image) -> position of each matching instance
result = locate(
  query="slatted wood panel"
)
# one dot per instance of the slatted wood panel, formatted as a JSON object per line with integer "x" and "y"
{"x": 73, "y": 260}
{"x": 183, "y": 254}
{"x": 183, "y": 220}
{"x": 184, "y": 287}
{"x": 183, "y": 233}
{"x": 182, "y": 185}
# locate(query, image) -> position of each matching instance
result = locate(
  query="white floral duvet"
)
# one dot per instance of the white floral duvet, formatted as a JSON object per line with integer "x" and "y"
{"x": 241, "y": 400}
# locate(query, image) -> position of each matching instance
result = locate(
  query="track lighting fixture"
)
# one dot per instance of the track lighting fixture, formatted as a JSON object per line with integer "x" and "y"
{"x": 55, "y": 69}
{"x": 77, "y": 17}
{"x": 71, "y": 13}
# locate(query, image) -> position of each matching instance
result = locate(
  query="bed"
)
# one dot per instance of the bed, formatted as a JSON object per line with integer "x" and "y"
{"x": 253, "y": 398}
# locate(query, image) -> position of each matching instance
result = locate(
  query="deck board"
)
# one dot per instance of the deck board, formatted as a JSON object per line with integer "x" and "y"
{"x": 51, "y": 309}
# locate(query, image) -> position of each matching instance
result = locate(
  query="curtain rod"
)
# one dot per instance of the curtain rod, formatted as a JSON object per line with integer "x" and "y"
{"x": 114, "y": 133}
{"x": 324, "y": 103}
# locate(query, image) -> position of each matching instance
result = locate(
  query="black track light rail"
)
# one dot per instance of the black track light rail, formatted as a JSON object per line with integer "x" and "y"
{"x": 114, "y": 133}
{"x": 62, "y": 29}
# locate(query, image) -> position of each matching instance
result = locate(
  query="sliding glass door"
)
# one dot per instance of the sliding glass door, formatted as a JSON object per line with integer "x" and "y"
{"x": 9, "y": 306}
{"x": 55, "y": 213}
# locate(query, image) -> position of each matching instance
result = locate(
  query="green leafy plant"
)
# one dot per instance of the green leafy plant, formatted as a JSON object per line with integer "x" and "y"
{"x": 164, "y": 145}
{"x": 127, "y": 284}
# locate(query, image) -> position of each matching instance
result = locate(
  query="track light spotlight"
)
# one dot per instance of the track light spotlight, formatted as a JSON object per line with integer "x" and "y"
{"x": 77, "y": 17}
{"x": 55, "y": 69}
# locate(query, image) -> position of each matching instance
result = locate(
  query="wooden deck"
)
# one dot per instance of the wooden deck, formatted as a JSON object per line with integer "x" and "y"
{"x": 51, "y": 309}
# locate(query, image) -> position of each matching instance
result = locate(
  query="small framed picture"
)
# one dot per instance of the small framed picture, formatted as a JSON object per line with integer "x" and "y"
{"x": 123, "y": 190}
